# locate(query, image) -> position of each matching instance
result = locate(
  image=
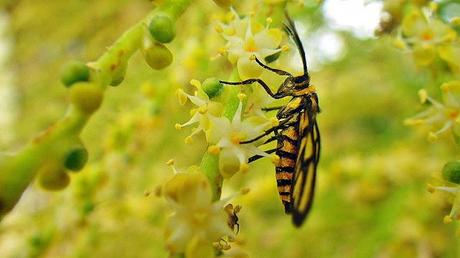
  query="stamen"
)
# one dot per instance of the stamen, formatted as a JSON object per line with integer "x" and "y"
{"x": 244, "y": 167}
{"x": 213, "y": 149}
{"x": 423, "y": 96}
{"x": 195, "y": 83}
{"x": 188, "y": 140}
{"x": 447, "y": 219}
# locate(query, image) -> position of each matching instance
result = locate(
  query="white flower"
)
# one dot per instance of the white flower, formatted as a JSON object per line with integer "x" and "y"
{"x": 227, "y": 136}
{"x": 247, "y": 38}
{"x": 445, "y": 114}
{"x": 205, "y": 108}
{"x": 196, "y": 222}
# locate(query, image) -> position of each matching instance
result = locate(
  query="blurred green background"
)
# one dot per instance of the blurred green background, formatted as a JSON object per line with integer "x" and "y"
{"x": 371, "y": 198}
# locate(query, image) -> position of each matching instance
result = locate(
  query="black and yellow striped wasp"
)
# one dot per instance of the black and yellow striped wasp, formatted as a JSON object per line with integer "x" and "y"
{"x": 297, "y": 135}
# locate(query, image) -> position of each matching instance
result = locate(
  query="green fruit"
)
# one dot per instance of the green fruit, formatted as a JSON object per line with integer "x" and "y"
{"x": 157, "y": 56}
{"x": 87, "y": 97}
{"x": 212, "y": 87}
{"x": 76, "y": 159}
{"x": 74, "y": 71}
{"x": 53, "y": 178}
{"x": 162, "y": 28}
{"x": 451, "y": 171}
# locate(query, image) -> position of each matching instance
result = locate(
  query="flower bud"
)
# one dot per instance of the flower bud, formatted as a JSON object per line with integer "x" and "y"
{"x": 162, "y": 28}
{"x": 76, "y": 159}
{"x": 74, "y": 71}
{"x": 212, "y": 87}
{"x": 451, "y": 171}
{"x": 87, "y": 97}
{"x": 53, "y": 177}
{"x": 157, "y": 56}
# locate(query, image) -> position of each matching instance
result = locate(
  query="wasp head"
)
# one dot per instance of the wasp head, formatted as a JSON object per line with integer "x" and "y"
{"x": 294, "y": 85}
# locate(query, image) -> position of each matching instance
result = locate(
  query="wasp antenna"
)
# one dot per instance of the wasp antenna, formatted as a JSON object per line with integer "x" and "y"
{"x": 291, "y": 30}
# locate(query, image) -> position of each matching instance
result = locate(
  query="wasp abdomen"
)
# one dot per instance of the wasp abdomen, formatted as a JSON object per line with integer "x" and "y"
{"x": 287, "y": 150}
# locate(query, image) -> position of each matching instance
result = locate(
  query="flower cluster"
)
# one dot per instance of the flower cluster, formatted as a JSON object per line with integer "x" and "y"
{"x": 247, "y": 38}
{"x": 197, "y": 224}
{"x": 224, "y": 135}
{"x": 428, "y": 38}
{"x": 235, "y": 127}
{"x": 444, "y": 114}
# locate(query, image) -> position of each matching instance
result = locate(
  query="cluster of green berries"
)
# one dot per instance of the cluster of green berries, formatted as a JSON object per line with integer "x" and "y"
{"x": 86, "y": 91}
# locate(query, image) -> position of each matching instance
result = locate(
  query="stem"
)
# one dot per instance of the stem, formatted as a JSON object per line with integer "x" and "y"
{"x": 210, "y": 163}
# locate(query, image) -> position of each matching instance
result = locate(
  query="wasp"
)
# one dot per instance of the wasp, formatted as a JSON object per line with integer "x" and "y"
{"x": 297, "y": 134}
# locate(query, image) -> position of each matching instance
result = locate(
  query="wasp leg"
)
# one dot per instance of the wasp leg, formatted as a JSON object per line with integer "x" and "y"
{"x": 277, "y": 136}
{"x": 256, "y": 157}
{"x": 262, "y": 83}
{"x": 277, "y": 71}
{"x": 269, "y": 131}
{"x": 271, "y": 108}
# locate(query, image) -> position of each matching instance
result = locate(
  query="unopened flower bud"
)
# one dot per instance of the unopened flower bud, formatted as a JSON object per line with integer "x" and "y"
{"x": 162, "y": 28}
{"x": 157, "y": 55}
{"x": 87, "y": 97}
{"x": 74, "y": 71}
{"x": 76, "y": 159}
{"x": 212, "y": 87}
{"x": 451, "y": 171}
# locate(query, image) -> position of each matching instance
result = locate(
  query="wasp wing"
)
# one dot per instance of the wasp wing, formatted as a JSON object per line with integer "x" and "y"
{"x": 306, "y": 165}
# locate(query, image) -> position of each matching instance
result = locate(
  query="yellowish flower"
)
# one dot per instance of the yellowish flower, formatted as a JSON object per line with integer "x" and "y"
{"x": 445, "y": 114}
{"x": 246, "y": 38}
{"x": 429, "y": 37}
{"x": 227, "y": 136}
{"x": 205, "y": 108}
{"x": 196, "y": 222}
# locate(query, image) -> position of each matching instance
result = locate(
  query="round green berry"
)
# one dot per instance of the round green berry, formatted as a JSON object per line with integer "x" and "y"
{"x": 157, "y": 56}
{"x": 87, "y": 97}
{"x": 212, "y": 87}
{"x": 76, "y": 159}
{"x": 74, "y": 71}
{"x": 162, "y": 28}
{"x": 53, "y": 178}
{"x": 451, "y": 171}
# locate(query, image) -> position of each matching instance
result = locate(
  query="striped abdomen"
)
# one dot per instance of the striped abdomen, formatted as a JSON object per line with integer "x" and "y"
{"x": 287, "y": 150}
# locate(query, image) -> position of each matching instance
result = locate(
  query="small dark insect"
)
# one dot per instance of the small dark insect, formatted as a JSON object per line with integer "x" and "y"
{"x": 297, "y": 135}
{"x": 232, "y": 220}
